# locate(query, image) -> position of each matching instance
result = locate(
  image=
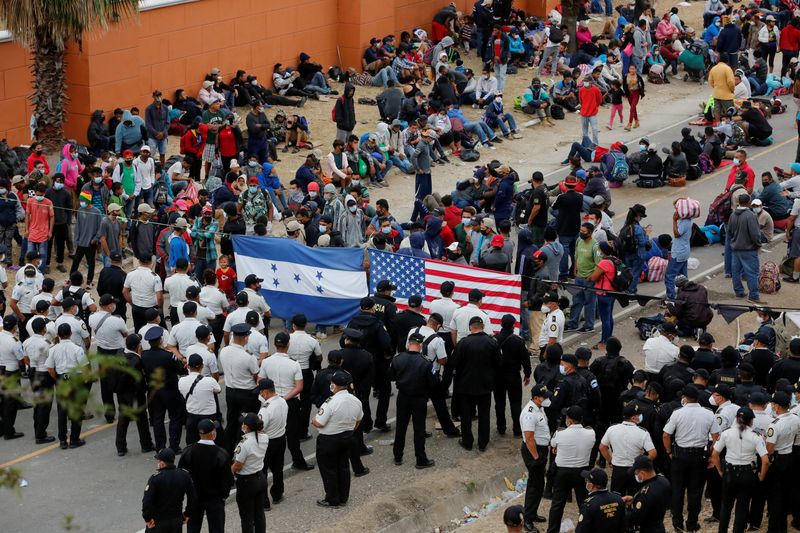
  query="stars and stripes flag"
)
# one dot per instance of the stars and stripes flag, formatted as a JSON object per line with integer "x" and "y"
{"x": 413, "y": 275}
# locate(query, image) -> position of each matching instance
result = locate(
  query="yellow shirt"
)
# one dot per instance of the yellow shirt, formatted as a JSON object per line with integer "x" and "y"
{"x": 721, "y": 80}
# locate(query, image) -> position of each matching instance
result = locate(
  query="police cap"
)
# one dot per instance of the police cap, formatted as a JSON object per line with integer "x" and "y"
{"x": 154, "y": 333}
{"x": 240, "y": 330}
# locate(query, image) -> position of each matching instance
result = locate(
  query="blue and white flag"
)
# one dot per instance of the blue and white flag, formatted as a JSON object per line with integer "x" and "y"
{"x": 325, "y": 284}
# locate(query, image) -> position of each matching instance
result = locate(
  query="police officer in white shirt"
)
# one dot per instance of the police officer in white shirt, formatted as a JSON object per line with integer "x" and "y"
{"x": 66, "y": 361}
{"x": 459, "y": 324}
{"x": 258, "y": 344}
{"x": 22, "y": 295}
{"x": 273, "y": 413}
{"x": 203, "y": 348}
{"x": 572, "y": 447}
{"x": 445, "y": 307}
{"x": 552, "y": 331}
{"x": 184, "y": 333}
{"x": 200, "y": 393}
{"x": 724, "y": 417}
{"x": 110, "y": 331}
{"x": 46, "y": 296}
{"x": 238, "y": 316}
{"x": 622, "y": 444}
{"x": 35, "y": 349}
{"x": 143, "y": 290}
{"x": 78, "y": 292}
{"x": 10, "y": 356}
{"x": 742, "y": 447}
{"x": 780, "y": 438}
{"x": 203, "y": 314}
{"x": 217, "y": 303}
{"x": 758, "y": 403}
{"x": 306, "y": 350}
{"x": 337, "y": 418}
{"x": 248, "y": 466}
{"x": 659, "y": 350}
{"x": 685, "y": 440}
{"x": 288, "y": 378}
{"x": 176, "y": 285}
{"x": 80, "y": 335}
{"x": 153, "y": 319}
{"x": 256, "y": 302}
{"x": 535, "y": 448}
{"x": 241, "y": 370}
{"x": 41, "y": 310}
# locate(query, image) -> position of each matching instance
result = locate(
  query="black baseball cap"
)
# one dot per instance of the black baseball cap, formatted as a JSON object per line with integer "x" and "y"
{"x": 416, "y": 337}
{"x": 781, "y": 398}
{"x": 385, "y": 285}
{"x": 642, "y": 462}
{"x": 541, "y": 390}
{"x": 282, "y": 339}
{"x": 252, "y": 278}
{"x": 341, "y": 378}
{"x": 154, "y": 333}
{"x": 569, "y": 358}
{"x": 722, "y": 390}
{"x": 242, "y": 298}
{"x": 266, "y": 384}
{"x": 367, "y": 303}
{"x": 192, "y": 291}
{"x": 240, "y": 330}
{"x": 166, "y": 455}
{"x": 195, "y": 360}
{"x": 475, "y": 320}
{"x": 353, "y": 333}
{"x": 206, "y": 426}
{"x": 573, "y": 412}
{"x": 630, "y": 409}
{"x": 596, "y": 476}
{"x": 64, "y": 330}
{"x": 42, "y": 305}
{"x": 690, "y": 391}
{"x": 415, "y": 300}
{"x": 250, "y": 420}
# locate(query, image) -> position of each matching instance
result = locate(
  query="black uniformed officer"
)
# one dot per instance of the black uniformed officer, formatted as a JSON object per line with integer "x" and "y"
{"x": 636, "y": 390}
{"x": 647, "y": 507}
{"x": 161, "y": 370}
{"x": 594, "y": 397}
{"x": 414, "y": 377}
{"x": 613, "y": 372}
{"x": 572, "y": 390}
{"x": 786, "y": 367}
{"x": 209, "y": 465}
{"x": 680, "y": 369}
{"x": 705, "y": 356}
{"x": 321, "y": 388}
{"x": 746, "y": 385}
{"x": 700, "y": 381}
{"x": 761, "y": 358}
{"x": 548, "y": 374}
{"x": 726, "y": 374}
{"x": 131, "y": 393}
{"x": 385, "y": 308}
{"x": 602, "y": 510}
{"x": 406, "y": 320}
{"x": 162, "y": 504}
{"x": 648, "y": 406}
{"x": 515, "y": 358}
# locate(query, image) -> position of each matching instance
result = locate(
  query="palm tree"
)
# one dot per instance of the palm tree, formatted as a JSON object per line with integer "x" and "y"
{"x": 45, "y": 28}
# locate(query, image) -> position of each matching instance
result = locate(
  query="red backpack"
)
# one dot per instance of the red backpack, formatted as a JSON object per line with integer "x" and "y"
{"x": 333, "y": 110}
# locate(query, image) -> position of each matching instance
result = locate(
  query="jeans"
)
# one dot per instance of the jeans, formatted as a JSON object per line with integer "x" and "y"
{"x": 673, "y": 269}
{"x": 481, "y": 129}
{"x": 581, "y": 150}
{"x": 609, "y": 7}
{"x": 745, "y": 262}
{"x": 403, "y": 164}
{"x": 277, "y": 198}
{"x": 583, "y": 300}
{"x": 467, "y": 98}
{"x": 500, "y": 74}
{"x": 590, "y": 121}
{"x": 524, "y": 318}
{"x": 317, "y": 85}
{"x": 638, "y": 62}
{"x": 156, "y": 146}
{"x": 636, "y": 264}
{"x": 40, "y": 247}
{"x": 568, "y": 259}
{"x": 422, "y": 188}
{"x": 384, "y": 75}
{"x": 512, "y": 125}
{"x": 605, "y": 305}
{"x": 549, "y": 52}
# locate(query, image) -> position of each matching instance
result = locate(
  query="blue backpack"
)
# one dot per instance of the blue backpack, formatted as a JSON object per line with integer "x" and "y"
{"x": 620, "y": 170}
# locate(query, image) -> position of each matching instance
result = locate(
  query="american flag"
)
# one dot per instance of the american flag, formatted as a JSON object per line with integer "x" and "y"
{"x": 413, "y": 275}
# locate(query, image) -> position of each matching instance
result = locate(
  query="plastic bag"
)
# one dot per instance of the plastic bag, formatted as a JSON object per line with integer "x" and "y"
{"x": 693, "y": 263}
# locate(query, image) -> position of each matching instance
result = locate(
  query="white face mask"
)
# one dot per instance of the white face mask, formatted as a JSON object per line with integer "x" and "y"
{"x": 712, "y": 401}
{"x": 637, "y": 478}
{"x": 683, "y": 401}
{"x": 545, "y": 309}
{"x": 333, "y": 388}
{"x": 562, "y": 369}
{"x": 546, "y": 402}
{"x": 756, "y": 210}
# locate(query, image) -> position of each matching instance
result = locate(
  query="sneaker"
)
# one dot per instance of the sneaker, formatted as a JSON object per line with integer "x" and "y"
{"x": 334, "y": 92}
{"x": 790, "y": 279}
{"x": 497, "y": 140}
{"x": 756, "y": 301}
{"x": 586, "y": 330}
{"x": 302, "y": 101}
{"x": 569, "y": 328}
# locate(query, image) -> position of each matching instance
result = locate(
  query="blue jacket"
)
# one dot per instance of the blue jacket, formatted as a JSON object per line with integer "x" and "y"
{"x": 729, "y": 39}
{"x": 177, "y": 249}
{"x": 9, "y": 209}
{"x": 776, "y": 204}
{"x": 502, "y": 200}
{"x": 304, "y": 176}
{"x": 129, "y": 136}
{"x": 267, "y": 180}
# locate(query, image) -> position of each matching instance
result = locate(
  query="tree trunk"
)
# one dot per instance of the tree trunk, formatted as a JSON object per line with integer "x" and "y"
{"x": 49, "y": 98}
{"x": 569, "y": 16}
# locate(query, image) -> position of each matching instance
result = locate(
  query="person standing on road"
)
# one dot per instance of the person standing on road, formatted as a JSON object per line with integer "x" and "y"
{"x": 162, "y": 504}
{"x": 11, "y": 355}
{"x": 143, "y": 290}
{"x": 241, "y": 371}
{"x": 248, "y": 467}
{"x": 200, "y": 394}
{"x": 109, "y": 334}
{"x": 602, "y": 510}
{"x": 745, "y": 244}
{"x": 622, "y": 444}
{"x": 515, "y": 357}
{"x": 679, "y": 254}
{"x": 273, "y": 413}
{"x": 337, "y": 418}
{"x": 722, "y": 83}
{"x": 132, "y": 398}
{"x": 781, "y": 434}
{"x": 535, "y": 448}
{"x": 209, "y": 467}
{"x": 306, "y": 350}
{"x": 65, "y": 361}
{"x": 646, "y": 509}
{"x": 587, "y": 255}
{"x": 161, "y": 369}
{"x": 590, "y": 99}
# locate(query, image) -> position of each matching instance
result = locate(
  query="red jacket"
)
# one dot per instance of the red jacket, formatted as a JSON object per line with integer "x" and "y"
{"x": 190, "y": 144}
{"x": 790, "y": 38}
{"x": 668, "y": 53}
{"x": 33, "y": 159}
{"x": 590, "y": 99}
{"x": 751, "y": 176}
{"x": 452, "y": 216}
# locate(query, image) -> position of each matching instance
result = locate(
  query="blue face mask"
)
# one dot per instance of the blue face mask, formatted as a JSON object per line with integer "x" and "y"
{"x": 386, "y": 230}
{"x": 58, "y": 186}
{"x": 641, "y": 419}
{"x": 3, "y": 191}
{"x": 323, "y": 229}
{"x": 562, "y": 370}
{"x": 83, "y": 204}
{"x": 39, "y": 197}
{"x": 253, "y": 190}
{"x": 642, "y": 148}
{"x": 98, "y": 180}
{"x": 252, "y": 163}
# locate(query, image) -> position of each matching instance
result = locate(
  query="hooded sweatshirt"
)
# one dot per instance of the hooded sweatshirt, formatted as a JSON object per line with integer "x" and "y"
{"x": 128, "y": 137}
{"x": 433, "y": 237}
{"x": 344, "y": 111}
{"x": 69, "y": 167}
{"x": 97, "y": 130}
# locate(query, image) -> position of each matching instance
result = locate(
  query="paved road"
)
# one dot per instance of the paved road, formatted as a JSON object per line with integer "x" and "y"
{"x": 103, "y": 492}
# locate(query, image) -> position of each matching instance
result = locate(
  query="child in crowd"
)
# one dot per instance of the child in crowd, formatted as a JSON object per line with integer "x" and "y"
{"x": 616, "y": 94}
{"x": 467, "y": 33}
{"x": 226, "y": 277}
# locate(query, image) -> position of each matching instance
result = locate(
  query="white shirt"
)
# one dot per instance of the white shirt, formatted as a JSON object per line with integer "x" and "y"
{"x": 50, "y": 333}
{"x": 445, "y": 307}
{"x": 146, "y": 171}
{"x": 86, "y": 299}
{"x": 273, "y": 413}
{"x": 282, "y": 371}
{"x": 742, "y": 446}
{"x": 23, "y": 294}
{"x": 250, "y": 452}
{"x": 52, "y": 311}
{"x": 79, "y": 331}
{"x": 238, "y": 317}
{"x": 183, "y": 334}
{"x": 436, "y": 350}
{"x": 209, "y": 359}
{"x": 552, "y": 327}
{"x": 176, "y": 286}
{"x": 111, "y": 334}
{"x": 144, "y": 285}
{"x": 166, "y": 338}
{"x": 533, "y": 419}
{"x": 461, "y": 318}
{"x": 302, "y": 346}
{"x": 796, "y": 211}
{"x": 257, "y": 344}
{"x": 761, "y": 422}
{"x": 214, "y": 299}
{"x": 204, "y": 314}
{"x": 239, "y": 367}
{"x": 10, "y": 352}
{"x": 782, "y": 432}
{"x": 627, "y": 442}
{"x": 690, "y": 426}
{"x": 201, "y": 401}
{"x": 724, "y": 417}
{"x": 658, "y": 352}
{"x": 66, "y": 357}
{"x": 339, "y": 413}
{"x": 573, "y": 445}
{"x": 35, "y": 348}
{"x": 256, "y": 302}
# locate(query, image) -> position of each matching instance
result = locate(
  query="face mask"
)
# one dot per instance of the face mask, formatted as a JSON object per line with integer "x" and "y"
{"x": 736, "y": 161}
{"x": 585, "y": 236}
{"x": 323, "y": 229}
{"x": 84, "y": 204}
{"x": 352, "y": 208}
{"x": 355, "y": 182}
{"x": 255, "y": 82}
{"x": 252, "y": 164}
{"x": 545, "y": 309}
{"x": 29, "y": 281}
{"x": 642, "y": 147}
{"x": 3, "y": 191}
{"x": 546, "y": 402}
{"x": 466, "y": 221}
{"x": 312, "y": 194}
{"x": 637, "y": 478}
{"x": 39, "y": 152}
{"x": 536, "y": 88}
{"x": 587, "y": 84}
{"x": 793, "y": 401}
{"x": 386, "y": 230}
{"x": 641, "y": 420}
{"x": 333, "y": 388}
{"x": 98, "y": 180}
{"x": 562, "y": 370}
{"x": 206, "y": 219}
{"x": 58, "y": 186}
{"x": 717, "y": 24}
{"x": 253, "y": 190}
{"x": 712, "y": 401}
{"x": 39, "y": 197}
{"x": 328, "y": 197}
{"x": 756, "y": 210}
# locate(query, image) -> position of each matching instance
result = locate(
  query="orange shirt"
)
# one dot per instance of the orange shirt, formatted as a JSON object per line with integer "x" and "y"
{"x": 41, "y": 214}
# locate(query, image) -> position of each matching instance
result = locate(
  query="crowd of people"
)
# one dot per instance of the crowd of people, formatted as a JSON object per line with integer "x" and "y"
{"x": 656, "y": 427}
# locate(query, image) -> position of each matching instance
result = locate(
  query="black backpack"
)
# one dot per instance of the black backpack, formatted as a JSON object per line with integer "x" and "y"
{"x": 623, "y": 277}
{"x": 611, "y": 373}
{"x": 521, "y": 202}
{"x": 556, "y": 35}
{"x": 78, "y": 297}
{"x": 557, "y": 112}
{"x": 628, "y": 239}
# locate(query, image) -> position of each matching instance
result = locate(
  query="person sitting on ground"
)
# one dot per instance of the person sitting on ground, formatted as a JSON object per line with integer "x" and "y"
{"x": 691, "y": 308}
{"x": 496, "y": 117}
{"x": 565, "y": 93}
{"x": 368, "y": 79}
{"x": 285, "y": 82}
{"x": 536, "y": 101}
{"x": 754, "y": 124}
{"x": 390, "y": 102}
{"x": 312, "y": 76}
{"x": 651, "y": 168}
{"x": 766, "y": 226}
{"x": 675, "y": 164}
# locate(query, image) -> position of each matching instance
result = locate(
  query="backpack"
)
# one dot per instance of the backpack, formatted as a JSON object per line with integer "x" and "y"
{"x": 557, "y": 112}
{"x": 620, "y": 171}
{"x": 627, "y": 238}
{"x": 787, "y": 265}
{"x": 469, "y": 155}
{"x": 333, "y": 109}
{"x": 521, "y": 202}
{"x": 782, "y": 335}
{"x": 769, "y": 280}
{"x": 720, "y": 209}
{"x": 623, "y": 277}
{"x": 648, "y": 325}
{"x": 611, "y": 372}
{"x": 556, "y": 35}
{"x": 705, "y": 164}
{"x": 78, "y": 296}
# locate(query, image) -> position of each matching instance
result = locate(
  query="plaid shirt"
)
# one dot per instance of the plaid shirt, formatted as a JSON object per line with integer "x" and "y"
{"x": 203, "y": 239}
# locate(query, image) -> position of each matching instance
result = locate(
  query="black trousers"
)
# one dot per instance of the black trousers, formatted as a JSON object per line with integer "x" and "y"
{"x": 163, "y": 402}
{"x": 213, "y": 509}
{"x": 508, "y": 385}
{"x": 439, "y": 401}
{"x": 137, "y": 314}
{"x": 622, "y": 482}
{"x": 129, "y": 401}
{"x": 566, "y": 481}
{"x": 216, "y": 326}
{"x": 23, "y": 329}
{"x": 333, "y": 452}
{"x": 414, "y": 409}
{"x": 64, "y": 414}
{"x": 357, "y": 445}
{"x": 59, "y": 241}
{"x": 173, "y": 316}
{"x": 251, "y": 491}
{"x": 106, "y": 388}
{"x": 714, "y": 489}
{"x": 688, "y": 473}
{"x": 293, "y": 429}
{"x": 468, "y": 403}
{"x": 89, "y": 253}
{"x": 305, "y": 401}
{"x": 758, "y": 500}
{"x": 238, "y": 401}
{"x": 10, "y": 403}
{"x": 192, "y": 435}
{"x": 43, "y": 387}
{"x": 738, "y": 484}
{"x": 167, "y": 525}
{"x": 273, "y": 461}
{"x": 383, "y": 385}
{"x": 779, "y": 491}
{"x": 535, "y": 489}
